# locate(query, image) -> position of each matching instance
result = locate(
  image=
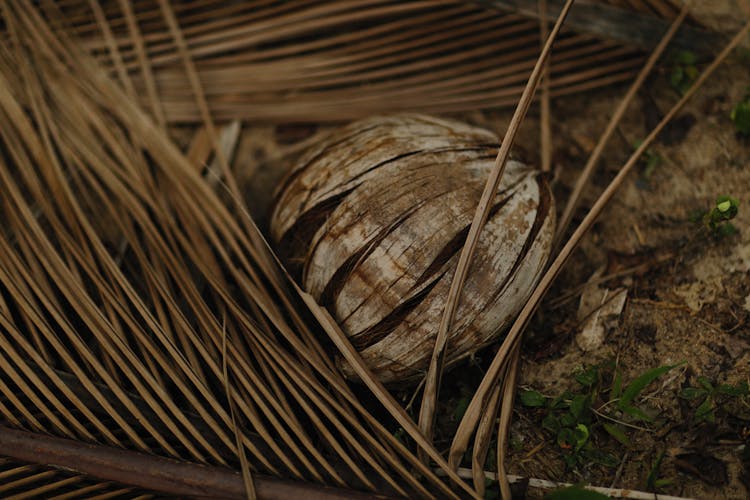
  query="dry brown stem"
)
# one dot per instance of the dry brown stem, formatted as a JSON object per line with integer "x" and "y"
{"x": 432, "y": 383}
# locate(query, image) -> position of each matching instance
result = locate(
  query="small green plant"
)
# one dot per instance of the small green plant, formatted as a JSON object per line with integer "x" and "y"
{"x": 491, "y": 489}
{"x": 683, "y": 71}
{"x": 712, "y": 397}
{"x": 717, "y": 219}
{"x": 653, "y": 481}
{"x": 740, "y": 115}
{"x": 575, "y": 493}
{"x": 601, "y": 402}
{"x": 649, "y": 162}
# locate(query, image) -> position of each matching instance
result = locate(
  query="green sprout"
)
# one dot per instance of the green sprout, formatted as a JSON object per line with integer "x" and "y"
{"x": 649, "y": 161}
{"x": 717, "y": 219}
{"x": 683, "y": 71}
{"x": 574, "y": 416}
{"x": 653, "y": 481}
{"x": 740, "y": 115}
{"x": 712, "y": 397}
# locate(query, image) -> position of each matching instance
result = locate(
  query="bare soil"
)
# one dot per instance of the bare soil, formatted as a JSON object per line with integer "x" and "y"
{"x": 688, "y": 296}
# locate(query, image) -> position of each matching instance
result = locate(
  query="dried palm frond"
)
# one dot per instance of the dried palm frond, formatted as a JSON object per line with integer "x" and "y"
{"x": 135, "y": 317}
{"x": 337, "y": 60}
{"x": 141, "y": 312}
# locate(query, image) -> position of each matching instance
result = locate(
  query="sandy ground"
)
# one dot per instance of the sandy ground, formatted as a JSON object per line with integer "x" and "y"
{"x": 687, "y": 301}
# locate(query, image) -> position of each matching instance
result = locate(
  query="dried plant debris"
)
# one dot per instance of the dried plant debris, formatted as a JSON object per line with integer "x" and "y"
{"x": 599, "y": 312}
{"x": 309, "y": 61}
{"x": 140, "y": 307}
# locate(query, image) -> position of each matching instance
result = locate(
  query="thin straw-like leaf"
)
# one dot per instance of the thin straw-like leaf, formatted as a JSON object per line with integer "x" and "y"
{"x": 434, "y": 372}
{"x": 303, "y": 62}
{"x": 545, "y": 129}
{"x": 152, "y": 334}
{"x": 509, "y": 382}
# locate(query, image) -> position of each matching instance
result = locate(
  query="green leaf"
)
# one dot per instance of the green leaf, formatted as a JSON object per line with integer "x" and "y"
{"x": 705, "y": 411}
{"x": 741, "y": 117}
{"x": 600, "y": 457}
{"x": 617, "y": 432}
{"x": 581, "y": 435}
{"x": 705, "y": 382}
{"x": 566, "y": 438}
{"x": 653, "y": 474}
{"x": 575, "y": 493}
{"x": 568, "y": 420}
{"x": 588, "y": 377}
{"x": 691, "y": 393}
{"x": 533, "y": 399}
{"x": 653, "y": 161}
{"x": 636, "y": 413}
{"x": 686, "y": 57}
{"x": 726, "y": 209}
{"x": 740, "y": 389}
{"x": 571, "y": 460}
{"x": 491, "y": 489}
{"x": 635, "y": 387}
{"x": 683, "y": 71}
{"x": 561, "y": 401}
{"x": 617, "y": 385}
{"x": 578, "y": 405}
{"x": 660, "y": 483}
{"x": 573, "y": 439}
{"x": 461, "y": 406}
{"x": 551, "y": 423}
{"x": 725, "y": 230}
{"x": 676, "y": 76}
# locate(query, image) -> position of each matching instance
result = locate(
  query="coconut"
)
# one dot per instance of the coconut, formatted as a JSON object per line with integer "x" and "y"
{"x": 372, "y": 220}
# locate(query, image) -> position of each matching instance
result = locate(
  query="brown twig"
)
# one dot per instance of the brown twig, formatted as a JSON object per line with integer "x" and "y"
{"x": 144, "y": 63}
{"x": 432, "y": 383}
{"x": 508, "y": 388}
{"x": 156, "y": 473}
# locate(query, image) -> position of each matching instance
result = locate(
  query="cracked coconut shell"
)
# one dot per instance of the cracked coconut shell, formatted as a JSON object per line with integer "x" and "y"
{"x": 372, "y": 221}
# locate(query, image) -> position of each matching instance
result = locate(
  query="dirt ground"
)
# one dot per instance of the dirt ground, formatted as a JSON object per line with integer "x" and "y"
{"x": 688, "y": 293}
{"x": 688, "y": 298}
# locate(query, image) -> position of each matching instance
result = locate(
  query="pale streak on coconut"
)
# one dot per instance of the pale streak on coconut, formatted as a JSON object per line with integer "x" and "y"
{"x": 372, "y": 222}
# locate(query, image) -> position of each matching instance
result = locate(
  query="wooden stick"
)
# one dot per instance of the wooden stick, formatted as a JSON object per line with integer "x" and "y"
{"x": 155, "y": 473}
{"x": 545, "y": 484}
